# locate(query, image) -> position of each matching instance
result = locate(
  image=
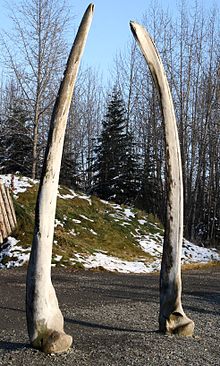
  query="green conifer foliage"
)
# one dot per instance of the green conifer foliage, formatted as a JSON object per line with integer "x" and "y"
{"x": 116, "y": 164}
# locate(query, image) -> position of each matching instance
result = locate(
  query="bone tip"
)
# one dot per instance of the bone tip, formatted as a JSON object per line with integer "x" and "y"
{"x": 91, "y": 7}
{"x": 134, "y": 25}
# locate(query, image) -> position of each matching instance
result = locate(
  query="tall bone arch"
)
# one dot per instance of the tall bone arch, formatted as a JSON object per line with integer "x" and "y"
{"x": 172, "y": 319}
{"x": 44, "y": 318}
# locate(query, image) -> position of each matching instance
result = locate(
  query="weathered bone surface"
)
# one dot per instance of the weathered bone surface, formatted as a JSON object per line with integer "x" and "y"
{"x": 172, "y": 319}
{"x": 44, "y": 318}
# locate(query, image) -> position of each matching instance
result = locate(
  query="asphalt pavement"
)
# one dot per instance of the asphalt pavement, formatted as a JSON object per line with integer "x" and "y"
{"x": 113, "y": 319}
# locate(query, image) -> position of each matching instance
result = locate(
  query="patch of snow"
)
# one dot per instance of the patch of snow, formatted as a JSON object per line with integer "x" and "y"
{"x": 151, "y": 247}
{"x": 86, "y": 218}
{"x": 142, "y": 222}
{"x": 76, "y": 221}
{"x": 16, "y": 256}
{"x": 152, "y": 244}
{"x": 115, "y": 206}
{"x": 57, "y": 223}
{"x": 113, "y": 264}
{"x": 72, "y": 232}
{"x": 57, "y": 258}
{"x": 73, "y": 195}
{"x": 129, "y": 213}
{"x": 93, "y": 232}
{"x": 193, "y": 253}
{"x": 82, "y": 197}
{"x": 105, "y": 202}
{"x": 101, "y": 251}
{"x": 125, "y": 223}
{"x": 66, "y": 196}
{"x": 18, "y": 184}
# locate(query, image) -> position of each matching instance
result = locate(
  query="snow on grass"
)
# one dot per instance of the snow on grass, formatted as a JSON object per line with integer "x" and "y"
{"x": 93, "y": 232}
{"x": 128, "y": 213}
{"x": 57, "y": 223}
{"x": 76, "y": 221}
{"x": 57, "y": 258}
{"x": 150, "y": 243}
{"x": 125, "y": 224}
{"x": 73, "y": 195}
{"x": 142, "y": 222}
{"x": 192, "y": 253}
{"x": 13, "y": 255}
{"x": 86, "y": 218}
{"x": 120, "y": 213}
{"x": 67, "y": 196}
{"x": 18, "y": 184}
{"x": 153, "y": 245}
{"x": 72, "y": 232}
{"x": 113, "y": 264}
{"x": 150, "y": 246}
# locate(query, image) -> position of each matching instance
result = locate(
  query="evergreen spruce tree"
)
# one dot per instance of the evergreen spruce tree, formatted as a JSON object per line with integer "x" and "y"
{"x": 16, "y": 141}
{"x": 115, "y": 167}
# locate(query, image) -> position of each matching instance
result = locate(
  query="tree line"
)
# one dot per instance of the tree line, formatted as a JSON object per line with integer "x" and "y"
{"x": 114, "y": 144}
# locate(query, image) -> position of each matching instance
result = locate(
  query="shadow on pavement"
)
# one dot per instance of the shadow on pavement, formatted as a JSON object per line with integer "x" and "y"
{"x": 12, "y": 346}
{"x": 12, "y": 309}
{"x": 107, "y": 327}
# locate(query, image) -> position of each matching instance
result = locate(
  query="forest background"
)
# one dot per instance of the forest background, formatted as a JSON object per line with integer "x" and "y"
{"x": 114, "y": 145}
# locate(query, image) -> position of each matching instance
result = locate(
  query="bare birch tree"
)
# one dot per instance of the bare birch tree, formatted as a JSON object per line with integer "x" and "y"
{"x": 188, "y": 44}
{"x": 34, "y": 54}
{"x": 84, "y": 122}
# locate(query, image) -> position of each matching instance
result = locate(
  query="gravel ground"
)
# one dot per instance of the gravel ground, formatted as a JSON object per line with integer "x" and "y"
{"x": 114, "y": 320}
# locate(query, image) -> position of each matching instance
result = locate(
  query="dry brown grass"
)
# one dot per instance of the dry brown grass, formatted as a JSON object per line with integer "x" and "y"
{"x": 189, "y": 266}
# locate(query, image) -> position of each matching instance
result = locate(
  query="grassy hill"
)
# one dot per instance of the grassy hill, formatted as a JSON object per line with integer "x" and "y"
{"x": 87, "y": 227}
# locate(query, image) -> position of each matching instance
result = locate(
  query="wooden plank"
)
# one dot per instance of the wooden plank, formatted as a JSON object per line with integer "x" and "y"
{"x": 7, "y": 213}
{"x": 1, "y": 237}
{"x": 11, "y": 207}
{"x": 4, "y": 210}
{"x": 7, "y": 208}
{"x": 2, "y": 222}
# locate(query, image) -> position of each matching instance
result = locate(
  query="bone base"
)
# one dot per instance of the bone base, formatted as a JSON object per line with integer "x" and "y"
{"x": 54, "y": 342}
{"x": 177, "y": 324}
{"x": 44, "y": 318}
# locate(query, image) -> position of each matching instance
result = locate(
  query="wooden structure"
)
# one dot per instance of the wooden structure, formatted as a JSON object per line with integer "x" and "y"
{"x": 7, "y": 213}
